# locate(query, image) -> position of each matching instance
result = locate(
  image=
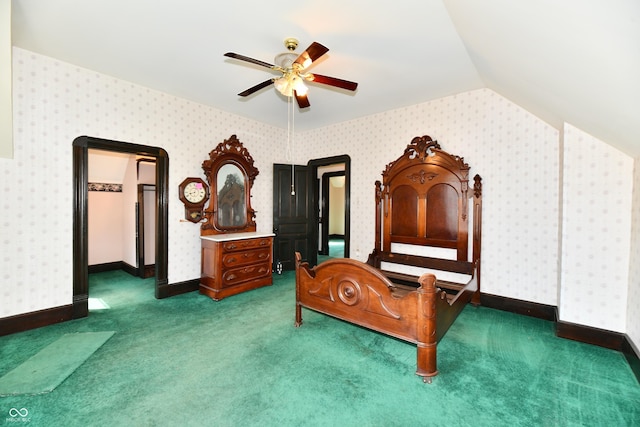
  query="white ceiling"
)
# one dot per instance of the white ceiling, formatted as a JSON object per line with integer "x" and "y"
{"x": 575, "y": 61}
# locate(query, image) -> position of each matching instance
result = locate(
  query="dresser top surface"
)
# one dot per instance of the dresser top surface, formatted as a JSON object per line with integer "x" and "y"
{"x": 236, "y": 236}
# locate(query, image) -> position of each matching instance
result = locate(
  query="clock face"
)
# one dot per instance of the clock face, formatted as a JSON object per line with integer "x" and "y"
{"x": 195, "y": 192}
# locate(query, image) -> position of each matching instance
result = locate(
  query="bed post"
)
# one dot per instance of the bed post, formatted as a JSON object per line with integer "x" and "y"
{"x": 477, "y": 233}
{"x": 426, "y": 327}
{"x": 378, "y": 209}
{"x": 374, "y": 259}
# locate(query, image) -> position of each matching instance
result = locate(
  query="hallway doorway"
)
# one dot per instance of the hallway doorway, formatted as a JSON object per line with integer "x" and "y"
{"x": 325, "y": 170}
{"x": 332, "y": 210}
{"x": 81, "y": 146}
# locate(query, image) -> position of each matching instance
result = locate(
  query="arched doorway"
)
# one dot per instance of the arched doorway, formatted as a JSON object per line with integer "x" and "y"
{"x": 81, "y": 146}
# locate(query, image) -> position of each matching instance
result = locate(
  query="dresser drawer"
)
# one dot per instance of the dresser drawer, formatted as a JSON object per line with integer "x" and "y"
{"x": 244, "y": 244}
{"x": 252, "y": 256}
{"x": 235, "y": 276}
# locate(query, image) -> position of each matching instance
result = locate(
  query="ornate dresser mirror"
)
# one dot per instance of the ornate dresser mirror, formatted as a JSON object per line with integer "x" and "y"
{"x": 230, "y": 173}
{"x": 232, "y": 206}
{"x": 235, "y": 258}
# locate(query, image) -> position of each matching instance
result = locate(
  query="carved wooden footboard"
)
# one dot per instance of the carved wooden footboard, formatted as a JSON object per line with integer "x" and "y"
{"x": 358, "y": 293}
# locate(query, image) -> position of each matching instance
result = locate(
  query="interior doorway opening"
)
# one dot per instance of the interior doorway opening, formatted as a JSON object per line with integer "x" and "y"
{"x": 331, "y": 223}
{"x": 81, "y": 147}
{"x": 331, "y": 206}
{"x": 145, "y": 231}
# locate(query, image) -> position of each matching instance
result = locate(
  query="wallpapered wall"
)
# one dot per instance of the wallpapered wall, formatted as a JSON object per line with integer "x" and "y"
{"x": 518, "y": 157}
{"x": 595, "y": 232}
{"x": 633, "y": 299}
{"x": 516, "y": 154}
{"x": 54, "y": 103}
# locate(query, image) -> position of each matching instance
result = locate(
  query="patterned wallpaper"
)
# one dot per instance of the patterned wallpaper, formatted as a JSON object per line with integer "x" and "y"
{"x": 633, "y": 299}
{"x": 596, "y": 231}
{"x": 518, "y": 157}
{"x": 516, "y": 154}
{"x": 55, "y": 102}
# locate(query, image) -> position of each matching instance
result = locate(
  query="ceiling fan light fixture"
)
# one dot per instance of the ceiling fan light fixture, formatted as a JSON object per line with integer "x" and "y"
{"x": 289, "y": 83}
{"x": 300, "y": 87}
{"x": 282, "y": 85}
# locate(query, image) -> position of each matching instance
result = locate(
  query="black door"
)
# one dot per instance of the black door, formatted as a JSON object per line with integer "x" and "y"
{"x": 291, "y": 215}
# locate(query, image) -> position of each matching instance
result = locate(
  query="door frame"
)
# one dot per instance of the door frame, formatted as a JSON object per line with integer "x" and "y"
{"x": 81, "y": 146}
{"x": 314, "y": 217}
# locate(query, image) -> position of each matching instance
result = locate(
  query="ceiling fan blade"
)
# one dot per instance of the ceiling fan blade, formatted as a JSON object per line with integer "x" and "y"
{"x": 247, "y": 59}
{"x": 313, "y": 52}
{"x": 256, "y": 88}
{"x": 303, "y": 101}
{"x": 332, "y": 81}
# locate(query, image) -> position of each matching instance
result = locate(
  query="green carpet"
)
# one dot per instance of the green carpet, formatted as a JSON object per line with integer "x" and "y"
{"x": 190, "y": 361}
{"x": 45, "y": 370}
{"x": 336, "y": 250}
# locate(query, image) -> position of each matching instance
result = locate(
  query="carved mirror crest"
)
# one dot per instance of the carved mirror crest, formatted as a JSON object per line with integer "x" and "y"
{"x": 230, "y": 173}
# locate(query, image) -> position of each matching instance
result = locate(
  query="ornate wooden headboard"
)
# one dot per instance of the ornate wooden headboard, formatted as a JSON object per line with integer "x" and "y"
{"x": 424, "y": 200}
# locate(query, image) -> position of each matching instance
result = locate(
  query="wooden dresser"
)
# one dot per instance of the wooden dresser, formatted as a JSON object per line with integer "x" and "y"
{"x": 234, "y": 263}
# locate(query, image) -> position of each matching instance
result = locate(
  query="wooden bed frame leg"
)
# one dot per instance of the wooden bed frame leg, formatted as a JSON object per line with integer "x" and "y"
{"x": 298, "y": 322}
{"x": 426, "y": 328}
{"x": 427, "y": 362}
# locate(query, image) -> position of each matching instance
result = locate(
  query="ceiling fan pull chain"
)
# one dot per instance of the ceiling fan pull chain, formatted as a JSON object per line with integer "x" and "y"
{"x": 288, "y": 154}
{"x": 291, "y": 135}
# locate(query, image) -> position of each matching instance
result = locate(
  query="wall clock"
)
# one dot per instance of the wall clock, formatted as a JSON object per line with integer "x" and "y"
{"x": 194, "y": 193}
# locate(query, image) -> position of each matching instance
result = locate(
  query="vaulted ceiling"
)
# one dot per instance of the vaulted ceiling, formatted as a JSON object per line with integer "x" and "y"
{"x": 575, "y": 61}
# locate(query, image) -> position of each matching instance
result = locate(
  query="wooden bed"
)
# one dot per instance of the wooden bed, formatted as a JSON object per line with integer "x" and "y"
{"x": 425, "y": 266}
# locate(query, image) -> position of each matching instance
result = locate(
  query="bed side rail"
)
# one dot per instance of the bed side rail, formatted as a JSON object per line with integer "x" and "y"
{"x": 454, "y": 266}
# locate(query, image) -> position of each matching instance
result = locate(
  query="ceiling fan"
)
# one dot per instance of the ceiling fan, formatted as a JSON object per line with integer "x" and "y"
{"x": 292, "y": 67}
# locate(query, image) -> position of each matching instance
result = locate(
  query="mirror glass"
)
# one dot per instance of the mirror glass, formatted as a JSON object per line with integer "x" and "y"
{"x": 232, "y": 209}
